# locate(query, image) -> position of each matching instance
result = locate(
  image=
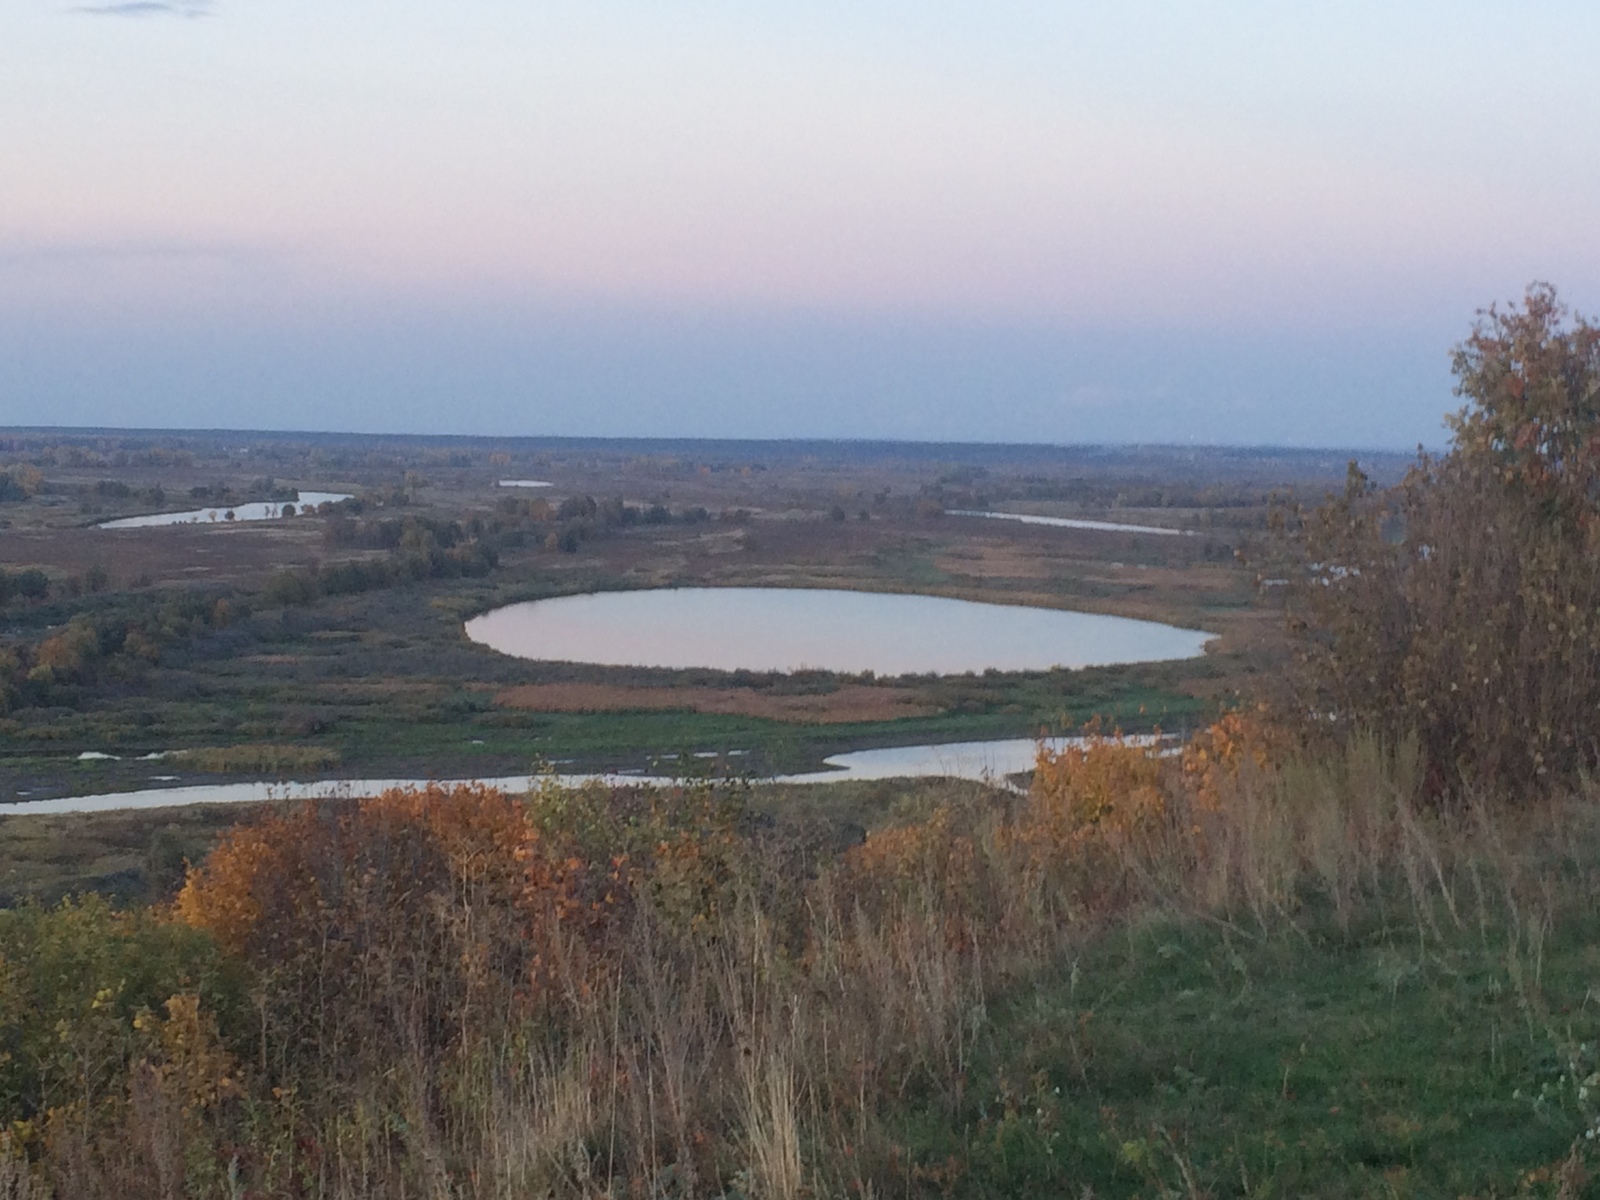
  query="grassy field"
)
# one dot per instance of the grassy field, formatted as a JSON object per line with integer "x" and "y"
{"x": 1185, "y": 1059}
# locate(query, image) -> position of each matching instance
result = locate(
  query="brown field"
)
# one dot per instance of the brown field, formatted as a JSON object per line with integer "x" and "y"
{"x": 176, "y": 555}
{"x": 852, "y": 702}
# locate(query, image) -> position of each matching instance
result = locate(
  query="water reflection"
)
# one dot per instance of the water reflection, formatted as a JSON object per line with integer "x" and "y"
{"x": 263, "y": 510}
{"x": 1073, "y": 523}
{"x": 988, "y": 762}
{"x": 792, "y": 629}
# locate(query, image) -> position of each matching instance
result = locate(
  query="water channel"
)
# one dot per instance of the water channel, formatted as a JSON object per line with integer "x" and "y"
{"x": 260, "y": 510}
{"x": 1073, "y": 523}
{"x": 990, "y": 762}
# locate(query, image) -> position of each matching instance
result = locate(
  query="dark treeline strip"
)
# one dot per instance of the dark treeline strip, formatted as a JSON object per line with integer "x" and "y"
{"x": 116, "y": 642}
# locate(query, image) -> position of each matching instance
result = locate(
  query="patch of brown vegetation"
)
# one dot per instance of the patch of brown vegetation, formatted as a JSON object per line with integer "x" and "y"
{"x": 852, "y": 702}
{"x": 243, "y": 554}
{"x": 1003, "y": 561}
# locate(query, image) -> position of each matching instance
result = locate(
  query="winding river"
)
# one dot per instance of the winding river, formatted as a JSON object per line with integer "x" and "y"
{"x": 989, "y": 762}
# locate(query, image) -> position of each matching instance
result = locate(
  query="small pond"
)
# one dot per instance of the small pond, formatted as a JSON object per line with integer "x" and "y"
{"x": 261, "y": 510}
{"x": 531, "y": 483}
{"x": 1073, "y": 523}
{"x": 793, "y": 629}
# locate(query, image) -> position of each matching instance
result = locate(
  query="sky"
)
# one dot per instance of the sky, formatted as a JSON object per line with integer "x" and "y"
{"x": 1208, "y": 222}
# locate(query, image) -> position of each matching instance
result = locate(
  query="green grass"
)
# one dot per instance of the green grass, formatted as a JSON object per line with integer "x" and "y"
{"x": 387, "y": 682}
{"x": 455, "y": 735}
{"x": 1186, "y": 1060}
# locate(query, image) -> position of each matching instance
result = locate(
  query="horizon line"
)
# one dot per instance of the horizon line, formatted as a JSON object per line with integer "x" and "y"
{"x": 264, "y": 434}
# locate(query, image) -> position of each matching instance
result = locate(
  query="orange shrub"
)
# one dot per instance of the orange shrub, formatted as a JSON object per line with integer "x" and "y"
{"x": 1106, "y": 788}
{"x": 254, "y": 867}
{"x": 526, "y": 896}
{"x": 483, "y": 835}
{"x": 471, "y": 836}
{"x": 908, "y": 873}
{"x": 425, "y": 918}
{"x": 1214, "y": 756}
{"x": 931, "y": 854}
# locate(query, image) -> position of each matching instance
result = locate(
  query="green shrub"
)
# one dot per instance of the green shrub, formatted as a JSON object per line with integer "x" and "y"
{"x": 74, "y": 981}
{"x": 32, "y": 584}
{"x": 257, "y": 757}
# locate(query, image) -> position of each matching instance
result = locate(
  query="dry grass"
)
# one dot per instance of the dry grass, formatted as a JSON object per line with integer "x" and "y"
{"x": 846, "y": 704}
{"x": 255, "y": 757}
{"x": 174, "y": 555}
{"x": 1003, "y": 560}
{"x": 463, "y": 994}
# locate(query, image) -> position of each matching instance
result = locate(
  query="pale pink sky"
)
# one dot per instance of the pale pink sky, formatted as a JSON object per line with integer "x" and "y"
{"x": 1134, "y": 202}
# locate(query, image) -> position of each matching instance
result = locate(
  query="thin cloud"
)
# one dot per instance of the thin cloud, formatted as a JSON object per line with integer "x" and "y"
{"x": 147, "y": 8}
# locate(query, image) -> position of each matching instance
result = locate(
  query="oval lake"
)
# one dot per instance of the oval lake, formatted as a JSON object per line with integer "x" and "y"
{"x": 793, "y": 629}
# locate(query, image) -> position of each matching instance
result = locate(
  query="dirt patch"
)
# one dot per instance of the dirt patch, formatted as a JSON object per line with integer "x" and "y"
{"x": 853, "y": 702}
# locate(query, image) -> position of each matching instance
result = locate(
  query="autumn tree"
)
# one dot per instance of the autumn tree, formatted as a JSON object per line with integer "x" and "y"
{"x": 1463, "y": 606}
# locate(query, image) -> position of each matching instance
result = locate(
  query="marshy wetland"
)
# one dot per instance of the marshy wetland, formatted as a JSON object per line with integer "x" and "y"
{"x": 334, "y": 644}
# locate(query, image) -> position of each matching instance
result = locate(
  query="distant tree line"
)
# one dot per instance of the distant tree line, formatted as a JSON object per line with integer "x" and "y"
{"x": 576, "y": 519}
{"x": 118, "y": 643}
{"x": 419, "y": 548}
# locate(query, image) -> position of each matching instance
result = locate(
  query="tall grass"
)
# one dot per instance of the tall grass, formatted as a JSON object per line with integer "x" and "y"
{"x": 458, "y": 993}
{"x": 255, "y": 757}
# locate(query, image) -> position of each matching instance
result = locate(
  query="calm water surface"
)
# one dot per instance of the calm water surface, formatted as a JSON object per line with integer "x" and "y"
{"x": 988, "y": 762}
{"x": 523, "y": 483}
{"x": 265, "y": 510}
{"x": 791, "y": 629}
{"x": 1073, "y": 523}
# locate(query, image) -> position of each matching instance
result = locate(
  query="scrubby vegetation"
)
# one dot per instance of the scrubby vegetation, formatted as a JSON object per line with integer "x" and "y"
{"x": 1136, "y": 979}
{"x": 1463, "y": 605}
{"x": 119, "y": 639}
{"x": 1341, "y": 944}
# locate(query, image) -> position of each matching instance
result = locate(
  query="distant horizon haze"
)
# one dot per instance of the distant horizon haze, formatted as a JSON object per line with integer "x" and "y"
{"x": 1218, "y": 224}
{"x": 498, "y": 371}
{"x": 713, "y": 449}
